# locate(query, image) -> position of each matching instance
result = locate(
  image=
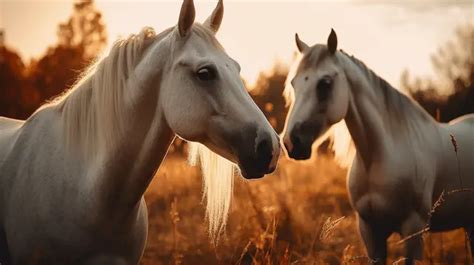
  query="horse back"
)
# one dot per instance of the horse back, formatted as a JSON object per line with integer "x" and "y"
{"x": 461, "y": 132}
{"x": 462, "y": 129}
{"x": 455, "y": 175}
{"x": 9, "y": 125}
{"x": 8, "y": 130}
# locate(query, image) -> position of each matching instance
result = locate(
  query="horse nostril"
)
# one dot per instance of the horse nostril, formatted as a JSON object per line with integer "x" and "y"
{"x": 295, "y": 139}
{"x": 264, "y": 148}
{"x": 301, "y": 146}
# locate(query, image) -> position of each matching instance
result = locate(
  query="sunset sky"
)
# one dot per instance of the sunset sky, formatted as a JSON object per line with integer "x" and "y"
{"x": 389, "y": 36}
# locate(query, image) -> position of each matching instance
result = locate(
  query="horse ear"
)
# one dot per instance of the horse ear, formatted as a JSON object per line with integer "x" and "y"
{"x": 214, "y": 20}
{"x": 186, "y": 17}
{"x": 332, "y": 42}
{"x": 300, "y": 44}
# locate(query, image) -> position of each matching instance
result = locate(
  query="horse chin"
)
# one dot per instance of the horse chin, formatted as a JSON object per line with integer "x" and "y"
{"x": 300, "y": 154}
{"x": 251, "y": 173}
{"x": 247, "y": 176}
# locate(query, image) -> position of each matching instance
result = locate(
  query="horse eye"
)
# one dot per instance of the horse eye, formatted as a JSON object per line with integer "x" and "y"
{"x": 324, "y": 88}
{"x": 206, "y": 74}
{"x": 324, "y": 84}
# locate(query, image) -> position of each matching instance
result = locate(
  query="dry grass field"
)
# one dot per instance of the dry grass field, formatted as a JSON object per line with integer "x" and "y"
{"x": 298, "y": 215}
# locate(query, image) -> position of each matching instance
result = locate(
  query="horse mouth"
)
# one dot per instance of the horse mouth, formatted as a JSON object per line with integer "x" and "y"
{"x": 300, "y": 153}
{"x": 247, "y": 176}
{"x": 254, "y": 173}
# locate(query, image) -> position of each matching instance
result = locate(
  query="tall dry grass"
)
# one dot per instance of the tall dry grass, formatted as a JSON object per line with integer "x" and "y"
{"x": 298, "y": 215}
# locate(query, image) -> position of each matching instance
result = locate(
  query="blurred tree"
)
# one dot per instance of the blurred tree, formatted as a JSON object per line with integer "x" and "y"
{"x": 80, "y": 40}
{"x": 454, "y": 62}
{"x": 452, "y": 93}
{"x": 56, "y": 70}
{"x": 84, "y": 29}
{"x": 12, "y": 79}
{"x": 268, "y": 94}
{"x": 24, "y": 88}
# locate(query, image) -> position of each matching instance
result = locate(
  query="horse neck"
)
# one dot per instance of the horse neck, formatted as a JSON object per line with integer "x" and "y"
{"x": 128, "y": 166}
{"x": 132, "y": 164}
{"x": 378, "y": 115}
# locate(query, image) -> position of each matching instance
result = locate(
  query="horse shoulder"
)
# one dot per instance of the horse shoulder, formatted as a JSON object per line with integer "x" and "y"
{"x": 365, "y": 191}
{"x": 389, "y": 187}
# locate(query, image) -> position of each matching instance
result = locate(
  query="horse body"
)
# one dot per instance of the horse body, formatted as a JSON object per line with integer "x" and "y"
{"x": 404, "y": 159}
{"x": 49, "y": 209}
{"x": 455, "y": 171}
{"x": 9, "y": 129}
{"x": 72, "y": 176}
{"x": 408, "y": 175}
{"x": 404, "y": 181}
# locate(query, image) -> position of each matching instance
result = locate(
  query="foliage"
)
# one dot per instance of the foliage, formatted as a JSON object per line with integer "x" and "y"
{"x": 293, "y": 216}
{"x": 26, "y": 87}
{"x": 452, "y": 93}
{"x": 299, "y": 214}
{"x": 267, "y": 94}
{"x": 84, "y": 29}
{"x": 12, "y": 80}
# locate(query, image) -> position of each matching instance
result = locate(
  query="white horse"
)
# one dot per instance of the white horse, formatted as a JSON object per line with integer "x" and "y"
{"x": 404, "y": 159}
{"x": 72, "y": 176}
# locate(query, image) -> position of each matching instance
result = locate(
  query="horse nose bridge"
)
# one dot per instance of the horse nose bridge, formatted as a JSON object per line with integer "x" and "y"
{"x": 249, "y": 115}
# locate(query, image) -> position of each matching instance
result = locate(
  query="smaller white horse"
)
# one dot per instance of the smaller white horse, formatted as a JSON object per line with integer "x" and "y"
{"x": 72, "y": 176}
{"x": 404, "y": 159}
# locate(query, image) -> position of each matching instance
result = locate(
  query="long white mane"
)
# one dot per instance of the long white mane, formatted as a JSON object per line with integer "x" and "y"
{"x": 338, "y": 135}
{"x": 92, "y": 110}
{"x": 218, "y": 182}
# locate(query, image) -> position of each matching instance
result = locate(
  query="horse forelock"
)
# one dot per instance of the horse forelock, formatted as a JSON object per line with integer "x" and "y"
{"x": 310, "y": 58}
{"x": 314, "y": 56}
{"x": 207, "y": 35}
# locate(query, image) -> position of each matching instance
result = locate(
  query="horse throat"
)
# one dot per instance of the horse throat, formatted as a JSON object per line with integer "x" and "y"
{"x": 364, "y": 118}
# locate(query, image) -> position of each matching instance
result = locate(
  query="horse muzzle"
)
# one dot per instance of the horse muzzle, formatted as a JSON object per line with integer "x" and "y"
{"x": 263, "y": 157}
{"x": 299, "y": 147}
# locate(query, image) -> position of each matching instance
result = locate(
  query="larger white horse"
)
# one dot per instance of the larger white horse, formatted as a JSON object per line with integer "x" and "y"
{"x": 72, "y": 176}
{"x": 404, "y": 159}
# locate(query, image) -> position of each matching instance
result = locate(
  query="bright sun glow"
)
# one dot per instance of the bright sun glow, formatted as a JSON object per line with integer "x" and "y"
{"x": 256, "y": 38}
